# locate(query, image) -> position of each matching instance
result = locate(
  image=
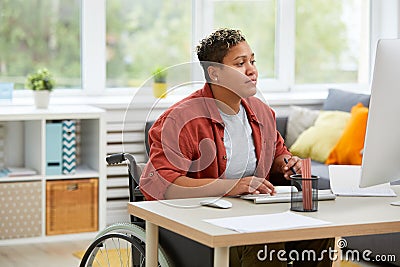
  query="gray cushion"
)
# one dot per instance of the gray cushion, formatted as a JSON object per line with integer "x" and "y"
{"x": 299, "y": 120}
{"x": 344, "y": 100}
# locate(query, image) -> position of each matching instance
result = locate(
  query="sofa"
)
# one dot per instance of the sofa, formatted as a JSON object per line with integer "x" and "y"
{"x": 301, "y": 134}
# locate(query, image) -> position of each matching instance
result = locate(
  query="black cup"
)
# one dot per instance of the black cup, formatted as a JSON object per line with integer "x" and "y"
{"x": 304, "y": 194}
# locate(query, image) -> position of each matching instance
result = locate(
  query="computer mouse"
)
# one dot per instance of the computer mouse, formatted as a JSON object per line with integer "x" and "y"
{"x": 395, "y": 203}
{"x": 216, "y": 203}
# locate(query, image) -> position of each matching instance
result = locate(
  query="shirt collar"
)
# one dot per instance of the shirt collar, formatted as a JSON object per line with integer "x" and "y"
{"x": 212, "y": 108}
{"x": 249, "y": 111}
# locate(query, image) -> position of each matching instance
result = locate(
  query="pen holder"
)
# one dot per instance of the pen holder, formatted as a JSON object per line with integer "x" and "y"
{"x": 304, "y": 194}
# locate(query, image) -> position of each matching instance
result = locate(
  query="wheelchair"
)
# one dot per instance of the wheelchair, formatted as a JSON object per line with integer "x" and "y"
{"x": 123, "y": 244}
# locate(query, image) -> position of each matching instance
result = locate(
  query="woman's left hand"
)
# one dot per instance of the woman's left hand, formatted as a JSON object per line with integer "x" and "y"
{"x": 293, "y": 166}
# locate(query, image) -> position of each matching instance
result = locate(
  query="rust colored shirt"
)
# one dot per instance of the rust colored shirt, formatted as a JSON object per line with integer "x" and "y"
{"x": 188, "y": 140}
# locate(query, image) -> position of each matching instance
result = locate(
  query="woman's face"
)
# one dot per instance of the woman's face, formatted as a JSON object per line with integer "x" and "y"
{"x": 238, "y": 72}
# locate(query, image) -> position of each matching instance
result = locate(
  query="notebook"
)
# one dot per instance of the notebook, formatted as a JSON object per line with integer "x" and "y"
{"x": 345, "y": 180}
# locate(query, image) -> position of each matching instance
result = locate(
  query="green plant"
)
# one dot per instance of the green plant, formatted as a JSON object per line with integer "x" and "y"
{"x": 160, "y": 75}
{"x": 42, "y": 79}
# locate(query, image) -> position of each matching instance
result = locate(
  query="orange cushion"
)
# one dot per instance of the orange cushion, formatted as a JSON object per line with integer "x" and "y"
{"x": 348, "y": 150}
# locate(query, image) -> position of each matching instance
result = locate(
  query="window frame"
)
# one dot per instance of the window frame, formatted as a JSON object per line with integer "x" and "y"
{"x": 93, "y": 46}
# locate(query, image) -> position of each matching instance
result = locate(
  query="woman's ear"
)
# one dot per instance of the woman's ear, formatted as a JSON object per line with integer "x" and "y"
{"x": 212, "y": 73}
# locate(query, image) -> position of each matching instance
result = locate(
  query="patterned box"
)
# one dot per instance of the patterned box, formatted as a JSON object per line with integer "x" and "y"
{"x": 20, "y": 209}
{"x": 68, "y": 147}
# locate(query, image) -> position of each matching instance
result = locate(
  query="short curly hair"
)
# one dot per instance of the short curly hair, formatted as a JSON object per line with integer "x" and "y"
{"x": 214, "y": 47}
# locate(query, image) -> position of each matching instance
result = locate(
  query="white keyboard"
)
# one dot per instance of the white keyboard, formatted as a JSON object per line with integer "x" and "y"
{"x": 285, "y": 197}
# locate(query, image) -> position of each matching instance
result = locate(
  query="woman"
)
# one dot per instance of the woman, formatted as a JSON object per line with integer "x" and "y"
{"x": 221, "y": 140}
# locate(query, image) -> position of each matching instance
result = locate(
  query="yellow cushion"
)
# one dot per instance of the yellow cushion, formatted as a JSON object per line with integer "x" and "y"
{"x": 347, "y": 150}
{"x": 317, "y": 141}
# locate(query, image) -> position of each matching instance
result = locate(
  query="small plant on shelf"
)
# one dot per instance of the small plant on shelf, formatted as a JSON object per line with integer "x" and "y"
{"x": 41, "y": 83}
{"x": 160, "y": 82}
{"x": 42, "y": 79}
{"x": 160, "y": 75}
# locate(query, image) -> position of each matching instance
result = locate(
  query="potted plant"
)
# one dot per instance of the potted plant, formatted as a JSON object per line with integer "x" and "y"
{"x": 42, "y": 83}
{"x": 160, "y": 82}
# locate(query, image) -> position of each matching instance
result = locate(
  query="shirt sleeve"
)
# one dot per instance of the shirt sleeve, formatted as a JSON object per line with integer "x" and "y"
{"x": 169, "y": 159}
{"x": 280, "y": 147}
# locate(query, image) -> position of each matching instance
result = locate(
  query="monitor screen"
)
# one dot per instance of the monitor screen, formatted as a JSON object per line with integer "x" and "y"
{"x": 381, "y": 160}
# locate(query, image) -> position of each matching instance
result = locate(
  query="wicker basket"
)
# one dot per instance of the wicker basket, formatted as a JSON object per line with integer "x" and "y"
{"x": 71, "y": 206}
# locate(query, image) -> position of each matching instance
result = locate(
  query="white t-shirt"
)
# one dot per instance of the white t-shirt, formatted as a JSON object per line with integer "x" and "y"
{"x": 239, "y": 145}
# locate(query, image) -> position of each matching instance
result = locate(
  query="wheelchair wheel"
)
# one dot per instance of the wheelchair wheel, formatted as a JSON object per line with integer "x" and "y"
{"x": 137, "y": 234}
{"x": 140, "y": 235}
{"x": 114, "y": 249}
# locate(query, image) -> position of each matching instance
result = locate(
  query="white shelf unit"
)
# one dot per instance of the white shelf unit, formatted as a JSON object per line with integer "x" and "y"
{"x": 24, "y": 145}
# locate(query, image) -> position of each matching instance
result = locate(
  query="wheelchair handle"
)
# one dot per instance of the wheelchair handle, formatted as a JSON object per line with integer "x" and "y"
{"x": 121, "y": 157}
{"x": 115, "y": 158}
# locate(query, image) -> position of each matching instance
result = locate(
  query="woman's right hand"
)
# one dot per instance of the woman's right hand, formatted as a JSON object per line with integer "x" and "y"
{"x": 251, "y": 185}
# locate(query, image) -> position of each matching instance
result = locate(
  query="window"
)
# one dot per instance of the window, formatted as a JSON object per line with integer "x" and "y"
{"x": 99, "y": 44}
{"x": 257, "y": 20}
{"x": 36, "y": 34}
{"x": 332, "y": 41}
{"x": 300, "y": 43}
{"x": 144, "y": 35}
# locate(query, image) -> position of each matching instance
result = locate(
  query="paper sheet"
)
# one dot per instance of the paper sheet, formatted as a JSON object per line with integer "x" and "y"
{"x": 266, "y": 222}
{"x": 16, "y": 171}
{"x": 345, "y": 180}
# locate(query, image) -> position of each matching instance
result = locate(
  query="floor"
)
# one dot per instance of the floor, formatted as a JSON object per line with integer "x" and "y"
{"x": 54, "y": 254}
{"x": 42, "y": 254}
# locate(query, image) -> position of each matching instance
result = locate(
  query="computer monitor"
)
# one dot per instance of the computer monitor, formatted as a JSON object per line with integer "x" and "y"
{"x": 381, "y": 157}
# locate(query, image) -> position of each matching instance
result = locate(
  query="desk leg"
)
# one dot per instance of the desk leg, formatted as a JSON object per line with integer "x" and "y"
{"x": 338, "y": 262}
{"x": 221, "y": 256}
{"x": 151, "y": 245}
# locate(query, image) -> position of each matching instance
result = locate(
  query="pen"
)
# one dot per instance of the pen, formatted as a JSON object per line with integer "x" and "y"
{"x": 291, "y": 168}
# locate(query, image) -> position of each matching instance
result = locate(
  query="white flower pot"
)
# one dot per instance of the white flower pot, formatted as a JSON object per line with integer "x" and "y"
{"x": 41, "y": 98}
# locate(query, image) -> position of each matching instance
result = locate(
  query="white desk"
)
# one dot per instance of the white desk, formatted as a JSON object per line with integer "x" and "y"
{"x": 350, "y": 216}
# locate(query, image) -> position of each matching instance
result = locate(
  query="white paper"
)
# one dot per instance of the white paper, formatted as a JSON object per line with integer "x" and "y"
{"x": 266, "y": 222}
{"x": 15, "y": 171}
{"x": 345, "y": 180}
